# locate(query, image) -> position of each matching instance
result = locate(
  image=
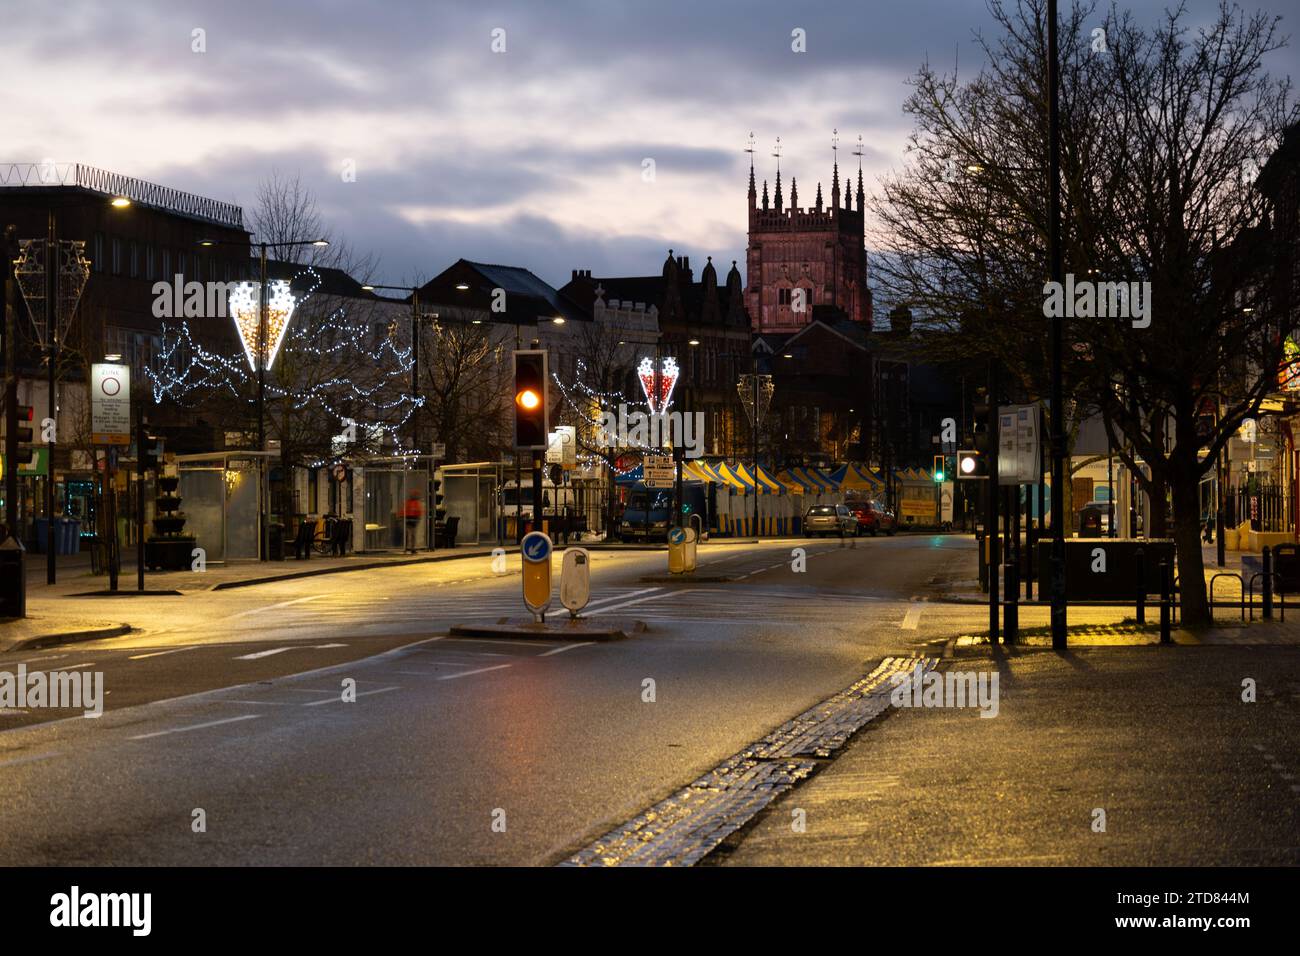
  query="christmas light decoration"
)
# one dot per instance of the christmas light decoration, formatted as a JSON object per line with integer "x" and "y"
{"x": 659, "y": 400}
{"x": 245, "y": 307}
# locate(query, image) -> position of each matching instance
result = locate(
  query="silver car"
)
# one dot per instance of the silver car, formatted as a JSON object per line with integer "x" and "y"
{"x": 829, "y": 519}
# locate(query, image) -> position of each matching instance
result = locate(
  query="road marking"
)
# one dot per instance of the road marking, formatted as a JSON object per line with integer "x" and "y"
{"x": 338, "y": 698}
{"x": 652, "y": 597}
{"x": 181, "y": 730}
{"x": 77, "y": 667}
{"x": 481, "y": 670}
{"x": 324, "y": 646}
{"x": 30, "y": 759}
{"x": 261, "y": 654}
{"x": 486, "y": 640}
{"x": 911, "y": 619}
{"x": 272, "y": 607}
{"x": 278, "y": 703}
{"x": 619, "y": 597}
{"x": 174, "y": 650}
{"x": 567, "y": 647}
{"x": 52, "y": 657}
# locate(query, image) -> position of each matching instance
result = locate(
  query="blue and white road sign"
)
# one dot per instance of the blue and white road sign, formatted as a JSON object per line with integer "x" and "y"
{"x": 536, "y": 547}
{"x": 677, "y": 536}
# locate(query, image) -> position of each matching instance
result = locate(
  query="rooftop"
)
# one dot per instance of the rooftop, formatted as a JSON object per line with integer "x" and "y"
{"x": 105, "y": 183}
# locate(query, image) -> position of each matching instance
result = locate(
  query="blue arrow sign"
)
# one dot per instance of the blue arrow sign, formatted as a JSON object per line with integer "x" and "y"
{"x": 535, "y": 547}
{"x": 677, "y": 535}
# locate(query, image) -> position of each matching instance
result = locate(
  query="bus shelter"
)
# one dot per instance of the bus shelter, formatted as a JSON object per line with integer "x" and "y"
{"x": 221, "y": 496}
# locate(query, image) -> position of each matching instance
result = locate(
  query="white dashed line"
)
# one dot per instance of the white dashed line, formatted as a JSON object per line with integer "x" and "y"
{"x": 260, "y": 654}
{"x": 174, "y": 650}
{"x": 181, "y": 730}
{"x": 272, "y": 607}
{"x": 567, "y": 647}
{"x": 339, "y": 698}
{"x": 911, "y": 619}
{"x": 481, "y": 670}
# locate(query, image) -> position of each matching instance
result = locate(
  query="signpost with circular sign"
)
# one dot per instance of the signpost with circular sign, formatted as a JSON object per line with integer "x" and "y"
{"x": 536, "y": 549}
{"x": 575, "y": 580}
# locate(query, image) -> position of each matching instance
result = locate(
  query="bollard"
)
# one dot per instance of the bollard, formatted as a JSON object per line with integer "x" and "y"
{"x": 1166, "y": 587}
{"x": 1267, "y": 592}
{"x": 1140, "y": 555}
{"x": 1011, "y": 607}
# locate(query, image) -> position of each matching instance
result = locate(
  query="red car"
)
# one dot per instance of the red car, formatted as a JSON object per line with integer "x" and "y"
{"x": 873, "y": 517}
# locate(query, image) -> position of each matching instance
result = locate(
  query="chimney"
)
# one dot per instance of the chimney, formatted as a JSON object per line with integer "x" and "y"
{"x": 900, "y": 320}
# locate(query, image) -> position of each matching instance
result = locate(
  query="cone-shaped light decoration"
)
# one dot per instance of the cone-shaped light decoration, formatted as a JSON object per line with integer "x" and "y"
{"x": 279, "y": 310}
{"x": 668, "y": 372}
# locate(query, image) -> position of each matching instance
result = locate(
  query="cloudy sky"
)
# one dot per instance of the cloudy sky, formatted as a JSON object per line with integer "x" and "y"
{"x": 532, "y": 156}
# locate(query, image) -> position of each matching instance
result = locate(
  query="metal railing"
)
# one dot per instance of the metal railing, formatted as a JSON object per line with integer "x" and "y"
{"x": 114, "y": 184}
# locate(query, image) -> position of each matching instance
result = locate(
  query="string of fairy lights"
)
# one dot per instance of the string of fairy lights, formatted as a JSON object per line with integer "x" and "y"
{"x": 606, "y": 401}
{"x": 187, "y": 369}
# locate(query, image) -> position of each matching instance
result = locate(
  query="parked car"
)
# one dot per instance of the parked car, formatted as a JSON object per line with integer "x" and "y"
{"x": 829, "y": 519}
{"x": 872, "y": 517}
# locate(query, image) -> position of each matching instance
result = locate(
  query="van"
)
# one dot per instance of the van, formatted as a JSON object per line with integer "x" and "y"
{"x": 649, "y": 511}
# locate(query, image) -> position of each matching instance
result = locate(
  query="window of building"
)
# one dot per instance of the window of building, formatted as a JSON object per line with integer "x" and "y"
{"x": 135, "y": 260}
{"x": 117, "y": 256}
{"x": 150, "y": 262}
{"x": 97, "y": 252}
{"x": 167, "y": 264}
{"x": 181, "y": 263}
{"x": 782, "y": 296}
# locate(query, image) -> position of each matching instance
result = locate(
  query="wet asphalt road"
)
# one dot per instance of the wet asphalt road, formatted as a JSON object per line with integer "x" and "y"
{"x": 454, "y": 751}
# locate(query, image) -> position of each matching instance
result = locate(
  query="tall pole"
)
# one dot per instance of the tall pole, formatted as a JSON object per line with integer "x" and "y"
{"x": 140, "y": 438}
{"x": 415, "y": 404}
{"x": 754, "y": 443}
{"x": 1058, "y": 614}
{"x": 52, "y": 327}
{"x": 10, "y": 304}
{"x": 992, "y": 554}
{"x": 261, "y": 408}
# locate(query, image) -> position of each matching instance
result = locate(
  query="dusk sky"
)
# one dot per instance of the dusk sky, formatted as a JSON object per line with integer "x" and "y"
{"x": 530, "y": 157}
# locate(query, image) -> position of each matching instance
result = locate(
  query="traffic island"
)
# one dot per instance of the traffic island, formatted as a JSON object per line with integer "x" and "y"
{"x": 559, "y": 628}
{"x": 31, "y": 633}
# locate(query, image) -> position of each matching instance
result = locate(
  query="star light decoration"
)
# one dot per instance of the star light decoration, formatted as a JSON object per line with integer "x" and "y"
{"x": 244, "y": 308}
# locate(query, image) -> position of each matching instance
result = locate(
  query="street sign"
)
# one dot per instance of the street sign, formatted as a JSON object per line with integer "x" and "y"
{"x": 438, "y": 450}
{"x": 535, "y": 549}
{"x": 562, "y": 447}
{"x": 676, "y": 550}
{"x": 688, "y": 551}
{"x": 575, "y": 580}
{"x": 110, "y": 404}
{"x": 658, "y": 471}
{"x": 1019, "y": 454}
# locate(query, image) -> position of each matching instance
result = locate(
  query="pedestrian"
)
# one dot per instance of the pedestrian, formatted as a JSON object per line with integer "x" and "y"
{"x": 412, "y": 511}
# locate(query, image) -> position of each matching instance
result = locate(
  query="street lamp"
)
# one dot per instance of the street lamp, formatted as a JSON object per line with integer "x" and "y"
{"x": 416, "y": 318}
{"x": 262, "y": 357}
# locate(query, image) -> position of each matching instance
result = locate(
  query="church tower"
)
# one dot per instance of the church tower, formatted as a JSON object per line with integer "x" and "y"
{"x": 805, "y": 259}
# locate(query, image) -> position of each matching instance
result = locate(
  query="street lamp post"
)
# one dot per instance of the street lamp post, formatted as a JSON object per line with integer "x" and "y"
{"x": 262, "y": 363}
{"x": 416, "y": 318}
{"x": 1058, "y": 613}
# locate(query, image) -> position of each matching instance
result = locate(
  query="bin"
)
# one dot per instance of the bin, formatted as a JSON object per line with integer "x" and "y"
{"x": 42, "y": 535}
{"x": 69, "y": 536}
{"x": 13, "y": 585}
{"x": 275, "y": 542}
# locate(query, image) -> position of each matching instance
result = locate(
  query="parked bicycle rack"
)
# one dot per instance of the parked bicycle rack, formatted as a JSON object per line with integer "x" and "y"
{"x": 1241, "y": 591}
{"x": 1266, "y": 596}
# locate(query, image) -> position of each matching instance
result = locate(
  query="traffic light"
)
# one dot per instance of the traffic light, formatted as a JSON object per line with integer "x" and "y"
{"x": 940, "y": 465}
{"x": 532, "y": 400}
{"x": 21, "y": 424}
{"x": 439, "y": 512}
{"x": 972, "y": 464}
